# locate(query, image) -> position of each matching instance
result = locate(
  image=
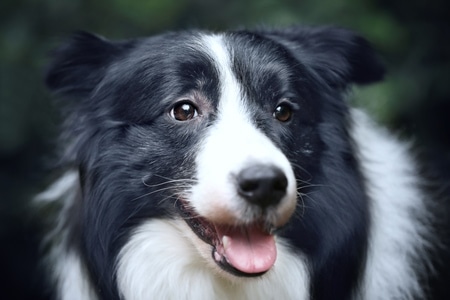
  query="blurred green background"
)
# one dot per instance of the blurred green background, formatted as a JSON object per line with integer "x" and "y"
{"x": 412, "y": 36}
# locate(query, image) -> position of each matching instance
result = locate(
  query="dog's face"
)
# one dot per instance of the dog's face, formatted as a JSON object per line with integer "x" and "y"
{"x": 244, "y": 184}
{"x": 223, "y": 131}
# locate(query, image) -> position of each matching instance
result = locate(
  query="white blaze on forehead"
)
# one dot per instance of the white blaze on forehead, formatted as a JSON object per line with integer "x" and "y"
{"x": 230, "y": 91}
{"x": 232, "y": 143}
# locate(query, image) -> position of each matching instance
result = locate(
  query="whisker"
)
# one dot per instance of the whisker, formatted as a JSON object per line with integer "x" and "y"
{"x": 178, "y": 195}
{"x": 161, "y": 190}
{"x": 169, "y": 181}
{"x": 302, "y": 169}
{"x": 307, "y": 195}
{"x": 302, "y": 203}
{"x": 302, "y": 187}
{"x": 169, "y": 184}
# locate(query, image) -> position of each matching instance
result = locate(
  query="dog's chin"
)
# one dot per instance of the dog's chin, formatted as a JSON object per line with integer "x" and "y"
{"x": 235, "y": 250}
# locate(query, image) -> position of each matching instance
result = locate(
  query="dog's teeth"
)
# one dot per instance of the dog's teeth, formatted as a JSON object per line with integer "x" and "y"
{"x": 217, "y": 256}
{"x": 225, "y": 241}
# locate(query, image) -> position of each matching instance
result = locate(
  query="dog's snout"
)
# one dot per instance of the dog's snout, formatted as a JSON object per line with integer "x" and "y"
{"x": 262, "y": 185}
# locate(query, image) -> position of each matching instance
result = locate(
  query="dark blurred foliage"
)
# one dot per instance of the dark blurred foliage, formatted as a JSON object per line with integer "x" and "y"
{"x": 412, "y": 36}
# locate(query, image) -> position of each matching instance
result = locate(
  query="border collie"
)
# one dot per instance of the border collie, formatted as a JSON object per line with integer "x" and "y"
{"x": 229, "y": 165}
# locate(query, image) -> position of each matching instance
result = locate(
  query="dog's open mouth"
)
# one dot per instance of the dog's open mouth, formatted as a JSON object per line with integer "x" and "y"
{"x": 240, "y": 250}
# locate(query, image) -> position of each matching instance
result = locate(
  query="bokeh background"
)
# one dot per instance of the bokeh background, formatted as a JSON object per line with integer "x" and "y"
{"x": 413, "y": 37}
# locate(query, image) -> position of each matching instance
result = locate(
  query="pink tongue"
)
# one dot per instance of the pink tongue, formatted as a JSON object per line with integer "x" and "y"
{"x": 249, "y": 250}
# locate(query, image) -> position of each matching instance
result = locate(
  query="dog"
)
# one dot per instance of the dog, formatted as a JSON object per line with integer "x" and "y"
{"x": 205, "y": 165}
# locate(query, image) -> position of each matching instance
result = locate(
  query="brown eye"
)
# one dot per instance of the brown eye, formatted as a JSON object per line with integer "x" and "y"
{"x": 184, "y": 111}
{"x": 282, "y": 113}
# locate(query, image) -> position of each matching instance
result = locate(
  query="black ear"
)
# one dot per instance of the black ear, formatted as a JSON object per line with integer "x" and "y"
{"x": 338, "y": 55}
{"x": 79, "y": 65}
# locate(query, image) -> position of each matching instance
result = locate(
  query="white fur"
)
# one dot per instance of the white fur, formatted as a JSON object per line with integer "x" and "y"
{"x": 161, "y": 262}
{"x": 398, "y": 236}
{"x": 59, "y": 189}
{"x": 72, "y": 277}
{"x": 69, "y": 273}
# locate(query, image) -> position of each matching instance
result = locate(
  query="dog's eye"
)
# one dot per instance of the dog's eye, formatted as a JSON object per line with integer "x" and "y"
{"x": 184, "y": 111}
{"x": 282, "y": 113}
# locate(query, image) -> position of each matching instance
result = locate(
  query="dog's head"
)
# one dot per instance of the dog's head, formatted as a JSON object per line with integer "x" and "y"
{"x": 225, "y": 131}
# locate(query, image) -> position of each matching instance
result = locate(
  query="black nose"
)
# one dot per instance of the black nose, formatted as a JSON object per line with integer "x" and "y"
{"x": 263, "y": 185}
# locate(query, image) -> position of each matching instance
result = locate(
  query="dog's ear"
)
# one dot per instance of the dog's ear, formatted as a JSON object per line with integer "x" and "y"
{"x": 338, "y": 55}
{"x": 79, "y": 65}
